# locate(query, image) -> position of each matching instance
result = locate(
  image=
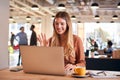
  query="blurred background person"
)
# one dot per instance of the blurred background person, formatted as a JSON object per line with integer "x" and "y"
{"x": 94, "y": 44}
{"x": 12, "y": 39}
{"x": 21, "y": 37}
{"x": 33, "y": 38}
{"x": 109, "y": 50}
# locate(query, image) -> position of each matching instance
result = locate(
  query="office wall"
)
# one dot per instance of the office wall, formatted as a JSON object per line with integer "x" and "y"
{"x": 4, "y": 15}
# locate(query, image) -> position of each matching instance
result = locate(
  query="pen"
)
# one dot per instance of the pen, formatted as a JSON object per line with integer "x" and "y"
{"x": 102, "y": 72}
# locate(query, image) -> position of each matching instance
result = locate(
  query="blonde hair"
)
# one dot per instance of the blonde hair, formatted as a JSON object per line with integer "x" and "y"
{"x": 69, "y": 45}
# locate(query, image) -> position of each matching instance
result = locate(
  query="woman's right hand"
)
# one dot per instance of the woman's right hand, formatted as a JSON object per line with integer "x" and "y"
{"x": 42, "y": 39}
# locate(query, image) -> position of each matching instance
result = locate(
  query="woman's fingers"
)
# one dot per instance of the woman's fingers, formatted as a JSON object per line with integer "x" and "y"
{"x": 69, "y": 66}
{"x": 42, "y": 35}
{"x": 42, "y": 39}
{"x": 38, "y": 38}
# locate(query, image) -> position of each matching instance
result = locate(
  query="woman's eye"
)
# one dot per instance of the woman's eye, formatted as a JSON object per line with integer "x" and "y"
{"x": 62, "y": 23}
{"x": 56, "y": 23}
{"x": 59, "y": 23}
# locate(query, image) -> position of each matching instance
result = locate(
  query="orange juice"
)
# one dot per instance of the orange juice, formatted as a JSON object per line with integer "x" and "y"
{"x": 80, "y": 70}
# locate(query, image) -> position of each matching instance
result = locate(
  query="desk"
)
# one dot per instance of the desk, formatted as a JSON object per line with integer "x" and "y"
{"x": 7, "y": 75}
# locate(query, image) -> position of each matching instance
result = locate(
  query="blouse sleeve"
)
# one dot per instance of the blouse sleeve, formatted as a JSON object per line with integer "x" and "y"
{"x": 79, "y": 51}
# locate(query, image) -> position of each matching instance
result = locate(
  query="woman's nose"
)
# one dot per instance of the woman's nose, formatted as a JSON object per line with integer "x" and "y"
{"x": 59, "y": 26}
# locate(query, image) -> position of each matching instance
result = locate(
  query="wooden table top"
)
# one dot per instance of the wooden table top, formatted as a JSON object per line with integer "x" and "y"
{"x": 8, "y": 75}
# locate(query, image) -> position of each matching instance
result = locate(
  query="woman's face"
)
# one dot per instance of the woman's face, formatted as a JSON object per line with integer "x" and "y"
{"x": 60, "y": 26}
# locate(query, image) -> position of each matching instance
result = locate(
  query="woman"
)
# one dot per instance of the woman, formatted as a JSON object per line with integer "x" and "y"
{"x": 33, "y": 38}
{"x": 62, "y": 36}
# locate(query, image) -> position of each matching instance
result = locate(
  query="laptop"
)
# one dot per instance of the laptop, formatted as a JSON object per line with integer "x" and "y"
{"x": 43, "y": 60}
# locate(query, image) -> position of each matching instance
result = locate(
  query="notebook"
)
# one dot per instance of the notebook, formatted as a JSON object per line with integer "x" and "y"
{"x": 43, "y": 60}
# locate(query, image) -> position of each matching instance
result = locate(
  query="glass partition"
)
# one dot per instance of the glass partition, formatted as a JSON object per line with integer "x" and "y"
{"x": 101, "y": 33}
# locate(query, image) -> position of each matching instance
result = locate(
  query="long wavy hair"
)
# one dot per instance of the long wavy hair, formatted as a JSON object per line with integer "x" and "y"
{"x": 69, "y": 52}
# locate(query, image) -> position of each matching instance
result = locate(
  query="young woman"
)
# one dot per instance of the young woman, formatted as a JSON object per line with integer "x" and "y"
{"x": 62, "y": 36}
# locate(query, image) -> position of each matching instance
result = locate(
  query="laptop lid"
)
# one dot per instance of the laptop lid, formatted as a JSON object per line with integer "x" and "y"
{"x": 44, "y": 60}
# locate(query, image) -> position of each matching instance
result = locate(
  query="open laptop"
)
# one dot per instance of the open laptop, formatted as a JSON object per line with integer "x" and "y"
{"x": 43, "y": 60}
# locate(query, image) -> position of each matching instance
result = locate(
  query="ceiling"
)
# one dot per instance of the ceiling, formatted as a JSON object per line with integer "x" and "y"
{"x": 19, "y": 9}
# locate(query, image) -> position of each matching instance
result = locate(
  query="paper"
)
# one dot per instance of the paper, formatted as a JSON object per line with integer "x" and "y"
{"x": 103, "y": 74}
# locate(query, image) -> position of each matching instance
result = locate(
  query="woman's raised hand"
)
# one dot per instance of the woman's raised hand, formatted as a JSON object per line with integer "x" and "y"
{"x": 42, "y": 39}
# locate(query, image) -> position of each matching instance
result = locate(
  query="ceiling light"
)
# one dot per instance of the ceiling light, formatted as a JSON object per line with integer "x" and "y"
{"x": 14, "y": 21}
{"x": 73, "y": 17}
{"x": 97, "y": 17}
{"x": 82, "y": 2}
{"x": 61, "y": 7}
{"x": 28, "y": 18}
{"x": 115, "y": 17}
{"x": 34, "y": 7}
{"x": 79, "y": 22}
{"x": 53, "y": 17}
{"x": 97, "y": 22}
{"x": 27, "y": 22}
{"x": 118, "y": 6}
{"x": 70, "y": 1}
{"x": 11, "y": 18}
{"x": 111, "y": 21}
{"x": 94, "y": 5}
{"x": 50, "y": 1}
{"x": 39, "y": 20}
